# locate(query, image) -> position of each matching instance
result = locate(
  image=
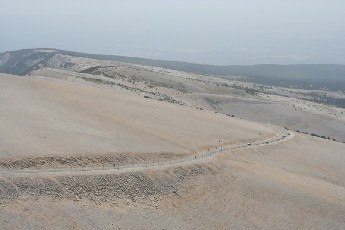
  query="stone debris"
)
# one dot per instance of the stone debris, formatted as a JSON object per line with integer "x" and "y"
{"x": 111, "y": 160}
{"x": 132, "y": 187}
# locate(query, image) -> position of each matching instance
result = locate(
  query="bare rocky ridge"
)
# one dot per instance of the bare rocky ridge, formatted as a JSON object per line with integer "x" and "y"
{"x": 301, "y": 108}
{"x": 58, "y": 131}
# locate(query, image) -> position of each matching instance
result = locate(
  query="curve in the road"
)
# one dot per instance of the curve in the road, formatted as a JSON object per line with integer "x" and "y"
{"x": 281, "y": 135}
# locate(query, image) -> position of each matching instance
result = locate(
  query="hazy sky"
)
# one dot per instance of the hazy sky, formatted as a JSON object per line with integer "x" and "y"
{"x": 201, "y": 31}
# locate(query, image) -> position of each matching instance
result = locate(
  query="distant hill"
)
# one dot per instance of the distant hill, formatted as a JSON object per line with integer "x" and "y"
{"x": 310, "y": 76}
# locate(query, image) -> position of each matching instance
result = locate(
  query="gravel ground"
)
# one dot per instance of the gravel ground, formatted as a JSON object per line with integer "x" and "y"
{"x": 101, "y": 188}
{"x": 92, "y": 160}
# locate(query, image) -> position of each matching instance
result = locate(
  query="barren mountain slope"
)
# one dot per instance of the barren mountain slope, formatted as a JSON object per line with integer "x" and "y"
{"x": 43, "y": 116}
{"x": 86, "y": 111}
{"x": 274, "y": 104}
{"x": 297, "y": 184}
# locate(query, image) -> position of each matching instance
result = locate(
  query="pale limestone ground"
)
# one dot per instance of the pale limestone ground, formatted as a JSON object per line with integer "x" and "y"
{"x": 43, "y": 116}
{"x": 297, "y": 184}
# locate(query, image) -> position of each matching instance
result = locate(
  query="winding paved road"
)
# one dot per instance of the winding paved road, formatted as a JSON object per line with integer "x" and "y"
{"x": 281, "y": 135}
